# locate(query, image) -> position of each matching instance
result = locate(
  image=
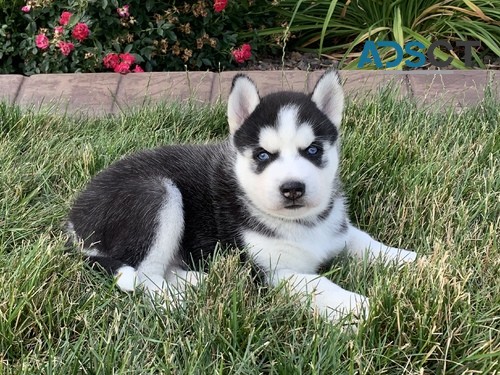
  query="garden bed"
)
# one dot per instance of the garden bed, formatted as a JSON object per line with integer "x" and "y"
{"x": 41, "y": 36}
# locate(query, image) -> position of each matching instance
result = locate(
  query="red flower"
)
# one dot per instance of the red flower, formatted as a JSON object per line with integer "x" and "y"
{"x": 58, "y": 30}
{"x": 121, "y": 63}
{"x": 247, "y": 50}
{"x": 26, "y": 8}
{"x": 127, "y": 58}
{"x": 111, "y": 60}
{"x": 66, "y": 47}
{"x": 219, "y": 5}
{"x": 122, "y": 67}
{"x": 243, "y": 53}
{"x": 42, "y": 41}
{"x": 64, "y": 19}
{"x": 80, "y": 31}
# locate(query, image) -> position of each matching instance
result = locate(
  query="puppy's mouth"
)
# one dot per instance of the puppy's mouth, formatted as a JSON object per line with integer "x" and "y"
{"x": 294, "y": 206}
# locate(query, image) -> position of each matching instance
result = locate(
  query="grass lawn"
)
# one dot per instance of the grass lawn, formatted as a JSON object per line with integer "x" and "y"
{"x": 416, "y": 179}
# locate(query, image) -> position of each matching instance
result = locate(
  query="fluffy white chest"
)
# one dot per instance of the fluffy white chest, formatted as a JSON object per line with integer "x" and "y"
{"x": 297, "y": 247}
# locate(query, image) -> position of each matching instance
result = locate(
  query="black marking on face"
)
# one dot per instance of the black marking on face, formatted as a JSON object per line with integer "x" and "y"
{"x": 336, "y": 197}
{"x": 262, "y": 159}
{"x": 266, "y": 115}
{"x": 322, "y": 127}
{"x": 314, "y": 153}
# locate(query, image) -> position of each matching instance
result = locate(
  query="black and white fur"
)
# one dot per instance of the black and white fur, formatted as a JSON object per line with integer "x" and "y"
{"x": 272, "y": 189}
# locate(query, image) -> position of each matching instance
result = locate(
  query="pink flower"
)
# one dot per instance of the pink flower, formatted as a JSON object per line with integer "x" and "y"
{"x": 219, "y": 5}
{"x": 64, "y": 19}
{"x": 26, "y": 8}
{"x": 80, "y": 31}
{"x": 138, "y": 69}
{"x": 123, "y": 11}
{"x": 122, "y": 68}
{"x": 42, "y": 41}
{"x": 127, "y": 58}
{"x": 66, "y": 47}
{"x": 111, "y": 60}
{"x": 58, "y": 30}
{"x": 243, "y": 53}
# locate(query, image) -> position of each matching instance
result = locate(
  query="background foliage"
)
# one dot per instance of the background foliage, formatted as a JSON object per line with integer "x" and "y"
{"x": 160, "y": 35}
{"x": 198, "y": 35}
{"x": 340, "y": 28}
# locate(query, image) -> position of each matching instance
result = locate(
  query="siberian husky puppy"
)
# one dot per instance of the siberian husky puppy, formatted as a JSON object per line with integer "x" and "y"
{"x": 272, "y": 189}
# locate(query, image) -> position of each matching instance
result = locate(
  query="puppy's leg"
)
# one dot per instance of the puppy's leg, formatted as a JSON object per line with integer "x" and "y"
{"x": 328, "y": 299}
{"x": 359, "y": 243}
{"x": 152, "y": 270}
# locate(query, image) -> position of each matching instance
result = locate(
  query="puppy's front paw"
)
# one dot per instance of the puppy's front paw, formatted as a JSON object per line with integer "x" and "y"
{"x": 399, "y": 256}
{"x": 353, "y": 304}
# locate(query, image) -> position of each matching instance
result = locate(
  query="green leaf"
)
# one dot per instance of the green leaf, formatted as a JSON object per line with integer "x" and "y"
{"x": 171, "y": 35}
{"x": 146, "y": 51}
{"x": 138, "y": 58}
{"x": 397, "y": 31}
{"x": 75, "y": 18}
{"x": 116, "y": 46}
{"x": 326, "y": 23}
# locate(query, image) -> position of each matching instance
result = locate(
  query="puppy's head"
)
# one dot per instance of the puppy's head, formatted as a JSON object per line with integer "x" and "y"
{"x": 287, "y": 146}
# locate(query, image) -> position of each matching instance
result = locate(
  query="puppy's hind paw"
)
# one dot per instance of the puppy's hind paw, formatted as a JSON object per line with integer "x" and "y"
{"x": 126, "y": 278}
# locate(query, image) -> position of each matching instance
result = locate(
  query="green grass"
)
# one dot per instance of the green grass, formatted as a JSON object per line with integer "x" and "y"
{"x": 415, "y": 178}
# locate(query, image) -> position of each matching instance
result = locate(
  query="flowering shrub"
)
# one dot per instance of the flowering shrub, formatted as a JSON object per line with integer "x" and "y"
{"x": 58, "y": 47}
{"x": 111, "y": 35}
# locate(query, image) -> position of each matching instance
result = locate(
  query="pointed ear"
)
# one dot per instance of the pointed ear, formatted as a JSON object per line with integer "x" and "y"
{"x": 242, "y": 101}
{"x": 329, "y": 96}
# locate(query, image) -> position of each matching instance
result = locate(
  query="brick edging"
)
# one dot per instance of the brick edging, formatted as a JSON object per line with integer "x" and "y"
{"x": 104, "y": 93}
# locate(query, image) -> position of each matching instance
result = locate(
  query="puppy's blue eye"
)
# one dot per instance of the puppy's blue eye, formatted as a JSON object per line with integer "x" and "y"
{"x": 263, "y": 156}
{"x": 312, "y": 150}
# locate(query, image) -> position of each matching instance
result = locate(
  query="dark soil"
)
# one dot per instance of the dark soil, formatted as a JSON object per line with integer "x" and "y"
{"x": 292, "y": 61}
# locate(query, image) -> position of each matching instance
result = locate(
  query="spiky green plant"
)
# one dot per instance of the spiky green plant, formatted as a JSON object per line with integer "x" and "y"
{"x": 340, "y": 28}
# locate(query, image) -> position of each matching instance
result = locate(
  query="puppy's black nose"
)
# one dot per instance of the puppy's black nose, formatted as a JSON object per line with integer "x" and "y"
{"x": 293, "y": 190}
